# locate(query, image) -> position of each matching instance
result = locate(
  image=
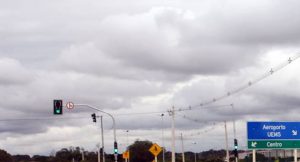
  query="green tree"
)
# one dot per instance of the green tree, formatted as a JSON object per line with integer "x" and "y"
{"x": 5, "y": 157}
{"x": 139, "y": 151}
{"x": 21, "y": 158}
{"x": 66, "y": 155}
{"x": 39, "y": 158}
{"x": 212, "y": 156}
{"x": 259, "y": 157}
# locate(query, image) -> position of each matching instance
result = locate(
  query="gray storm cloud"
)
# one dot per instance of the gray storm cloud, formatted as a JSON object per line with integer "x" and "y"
{"x": 141, "y": 56}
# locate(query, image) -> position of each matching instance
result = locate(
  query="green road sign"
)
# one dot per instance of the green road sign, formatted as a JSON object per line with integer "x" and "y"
{"x": 274, "y": 144}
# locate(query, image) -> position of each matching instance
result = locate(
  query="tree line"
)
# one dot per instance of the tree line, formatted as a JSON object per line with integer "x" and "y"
{"x": 139, "y": 152}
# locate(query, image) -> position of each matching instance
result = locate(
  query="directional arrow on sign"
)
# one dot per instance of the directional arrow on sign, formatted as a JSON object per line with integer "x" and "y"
{"x": 295, "y": 132}
{"x": 253, "y": 144}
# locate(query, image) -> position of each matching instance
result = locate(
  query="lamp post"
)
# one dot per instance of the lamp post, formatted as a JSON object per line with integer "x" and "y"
{"x": 102, "y": 139}
{"x": 195, "y": 152}
{"x": 162, "y": 136}
{"x": 128, "y": 160}
{"x": 127, "y": 138}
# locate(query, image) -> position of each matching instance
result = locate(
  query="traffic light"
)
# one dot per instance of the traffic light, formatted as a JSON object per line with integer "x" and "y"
{"x": 115, "y": 148}
{"x": 94, "y": 117}
{"x": 57, "y": 107}
{"x": 235, "y": 151}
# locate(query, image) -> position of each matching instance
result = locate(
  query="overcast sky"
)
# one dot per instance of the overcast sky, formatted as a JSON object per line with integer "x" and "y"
{"x": 137, "y": 56}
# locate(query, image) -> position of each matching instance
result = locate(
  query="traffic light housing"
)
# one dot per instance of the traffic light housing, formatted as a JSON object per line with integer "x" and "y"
{"x": 94, "y": 117}
{"x": 57, "y": 107}
{"x": 235, "y": 151}
{"x": 115, "y": 148}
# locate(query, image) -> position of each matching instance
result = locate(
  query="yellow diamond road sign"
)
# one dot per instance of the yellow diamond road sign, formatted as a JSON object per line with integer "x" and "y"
{"x": 126, "y": 155}
{"x": 155, "y": 149}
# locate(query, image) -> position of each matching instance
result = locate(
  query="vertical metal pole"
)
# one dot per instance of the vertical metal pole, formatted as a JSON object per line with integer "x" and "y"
{"x": 102, "y": 137}
{"x": 234, "y": 130}
{"x": 195, "y": 151}
{"x": 226, "y": 142}
{"x": 182, "y": 146}
{"x": 173, "y": 133}
{"x": 82, "y": 154}
{"x": 162, "y": 137}
{"x": 98, "y": 154}
{"x": 127, "y": 144}
{"x": 253, "y": 155}
{"x": 155, "y": 158}
{"x": 295, "y": 155}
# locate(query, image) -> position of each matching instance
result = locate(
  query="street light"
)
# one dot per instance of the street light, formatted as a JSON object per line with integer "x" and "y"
{"x": 127, "y": 144}
{"x": 195, "y": 152}
{"x": 162, "y": 133}
{"x": 127, "y": 138}
{"x": 114, "y": 126}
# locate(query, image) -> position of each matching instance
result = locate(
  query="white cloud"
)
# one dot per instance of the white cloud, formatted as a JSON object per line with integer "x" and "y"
{"x": 13, "y": 72}
{"x": 142, "y": 56}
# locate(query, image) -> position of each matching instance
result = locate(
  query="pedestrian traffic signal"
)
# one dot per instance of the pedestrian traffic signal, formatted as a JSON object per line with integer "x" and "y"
{"x": 94, "y": 117}
{"x": 57, "y": 107}
{"x": 115, "y": 148}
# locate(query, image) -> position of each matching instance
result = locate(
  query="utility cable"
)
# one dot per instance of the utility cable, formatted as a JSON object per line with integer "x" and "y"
{"x": 248, "y": 84}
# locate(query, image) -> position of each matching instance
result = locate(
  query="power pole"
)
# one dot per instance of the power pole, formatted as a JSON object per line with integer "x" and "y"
{"x": 172, "y": 113}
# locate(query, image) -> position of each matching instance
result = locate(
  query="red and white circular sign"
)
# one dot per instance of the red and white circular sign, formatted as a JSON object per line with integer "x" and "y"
{"x": 70, "y": 105}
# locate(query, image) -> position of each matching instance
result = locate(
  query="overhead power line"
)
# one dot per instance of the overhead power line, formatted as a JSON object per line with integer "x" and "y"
{"x": 44, "y": 118}
{"x": 206, "y": 130}
{"x": 205, "y": 104}
{"x": 193, "y": 120}
{"x": 141, "y": 113}
{"x": 245, "y": 86}
{"x": 87, "y": 117}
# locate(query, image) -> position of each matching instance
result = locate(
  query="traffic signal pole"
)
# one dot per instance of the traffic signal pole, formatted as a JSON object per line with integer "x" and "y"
{"x": 234, "y": 136}
{"x": 114, "y": 124}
